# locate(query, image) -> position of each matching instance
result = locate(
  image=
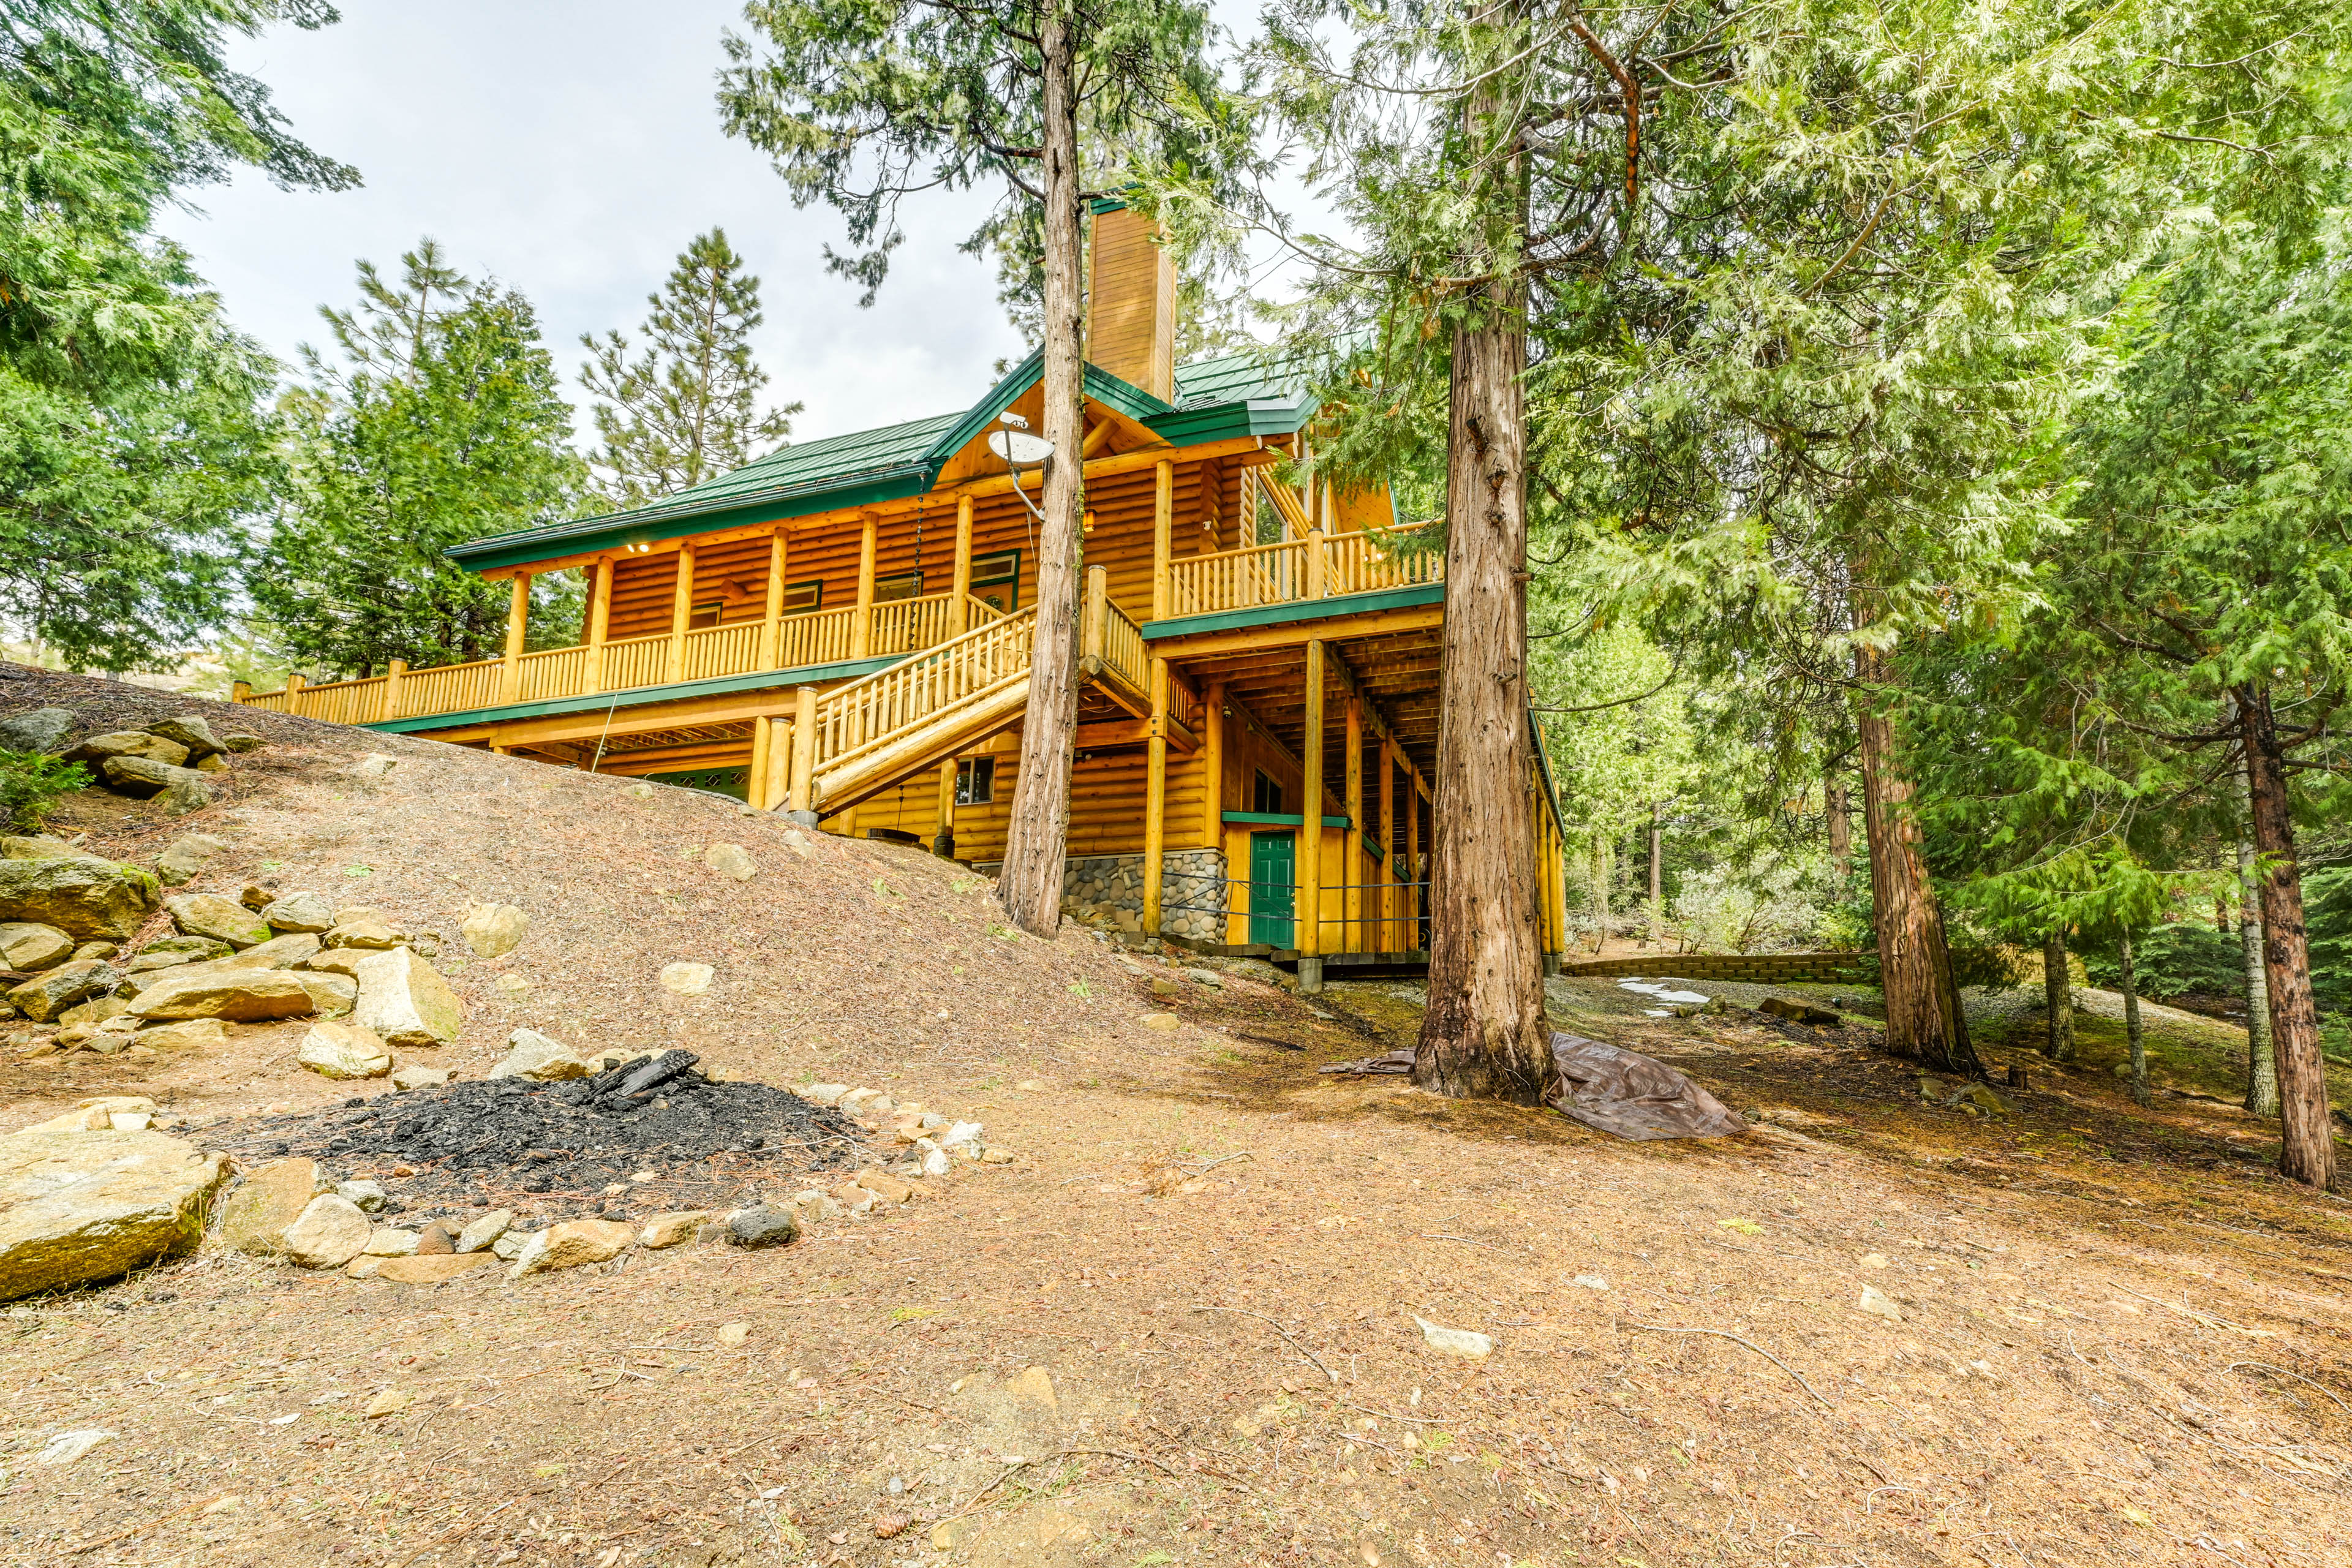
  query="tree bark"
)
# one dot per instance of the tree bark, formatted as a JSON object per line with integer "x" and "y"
{"x": 1837, "y": 814}
{"x": 2058, "y": 999}
{"x": 2132, "y": 1031}
{"x": 2307, "y": 1146}
{"x": 1484, "y": 1034}
{"x": 1923, "y": 1006}
{"x": 2262, "y": 1062}
{"x": 1657, "y": 880}
{"x": 1030, "y": 884}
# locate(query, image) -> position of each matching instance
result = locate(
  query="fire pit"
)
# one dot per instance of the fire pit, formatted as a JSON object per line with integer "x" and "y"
{"x": 658, "y": 1130}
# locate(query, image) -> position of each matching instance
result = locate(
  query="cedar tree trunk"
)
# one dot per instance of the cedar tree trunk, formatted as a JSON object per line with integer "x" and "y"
{"x": 2306, "y": 1147}
{"x": 2132, "y": 1030}
{"x": 1837, "y": 819}
{"x": 1923, "y": 1006}
{"x": 1030, "y": 885}
{"x": 1484, "y": 1034}
{"x": 2058, "y": 1000}
{"x": 2262, "y": 1062}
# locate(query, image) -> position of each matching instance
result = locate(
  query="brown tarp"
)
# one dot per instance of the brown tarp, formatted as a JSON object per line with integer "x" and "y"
{"x": 1607, "y": 1089}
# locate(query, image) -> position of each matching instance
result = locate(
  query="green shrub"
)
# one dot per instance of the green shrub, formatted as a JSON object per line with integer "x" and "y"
{"x": 2180, "y": 958}
{"x": 31, "y": 785}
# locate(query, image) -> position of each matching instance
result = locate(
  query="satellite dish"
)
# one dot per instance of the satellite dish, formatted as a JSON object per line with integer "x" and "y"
{"x": 1019, "y": 448}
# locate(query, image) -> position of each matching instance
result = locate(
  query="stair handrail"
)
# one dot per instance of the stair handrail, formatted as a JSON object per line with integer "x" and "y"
{"x": 834, "y": 706}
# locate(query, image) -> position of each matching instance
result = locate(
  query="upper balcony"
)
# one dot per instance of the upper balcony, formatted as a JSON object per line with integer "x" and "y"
{"x": 1322, "y": 572}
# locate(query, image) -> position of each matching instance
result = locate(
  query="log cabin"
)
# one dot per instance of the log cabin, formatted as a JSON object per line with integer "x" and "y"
{"x": 841, "y": 630}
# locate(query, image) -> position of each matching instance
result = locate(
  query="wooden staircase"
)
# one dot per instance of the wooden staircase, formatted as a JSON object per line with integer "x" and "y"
{"x": 859, "y": 740}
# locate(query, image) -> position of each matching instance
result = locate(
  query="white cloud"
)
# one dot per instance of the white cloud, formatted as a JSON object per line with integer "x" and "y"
{"x": 572, "y": 148}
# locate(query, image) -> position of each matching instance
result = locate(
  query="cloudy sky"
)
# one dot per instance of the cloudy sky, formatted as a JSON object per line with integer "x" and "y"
{"x": 571, "y": 148}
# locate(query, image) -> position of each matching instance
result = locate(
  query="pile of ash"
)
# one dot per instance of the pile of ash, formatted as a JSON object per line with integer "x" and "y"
{"x": 559, "y": 1148}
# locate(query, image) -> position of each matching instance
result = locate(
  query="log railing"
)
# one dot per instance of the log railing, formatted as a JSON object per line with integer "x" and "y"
{"x": 1320, "y": 566}
{"x": 706, "y": 653}
{"x": 851, "y": 719}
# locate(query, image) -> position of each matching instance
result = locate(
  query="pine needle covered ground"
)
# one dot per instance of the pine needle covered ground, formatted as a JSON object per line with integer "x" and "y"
{"x": 1181, "y": 1326}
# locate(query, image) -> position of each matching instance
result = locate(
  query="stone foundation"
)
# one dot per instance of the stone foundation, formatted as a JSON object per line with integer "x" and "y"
{"x": 1105, "y": 891}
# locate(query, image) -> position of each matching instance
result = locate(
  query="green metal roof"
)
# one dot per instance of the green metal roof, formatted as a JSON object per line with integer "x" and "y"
{"x": 1242, "y": 394}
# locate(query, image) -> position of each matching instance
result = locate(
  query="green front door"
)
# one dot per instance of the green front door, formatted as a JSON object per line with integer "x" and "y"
{"x": 1273, "y": 866}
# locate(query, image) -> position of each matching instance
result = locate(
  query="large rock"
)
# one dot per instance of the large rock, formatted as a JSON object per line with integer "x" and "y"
{"x": 331, "y": 1232}
{"x": 44, "y": 729}
{"x": 492, "y": 931}
{"x": 405, "y": 1001}
{"x": 225, "y": 919}
{"x": 300, "y": 912}
{"x": 270, "y": 1198}
{"x": 730, "y": 860}
{"x": 373, "y": 935}
{"x": 434, "y": 1269}
{"x": 183, "y": 790}
{"x": 570, "y": 1245}
{"x": 82, "y": 1206}
{"x": 239, "y": 996}
{"x": 99, "y": 750}
{"x": 188, "y": 855}
{"x": 687, "y": 979}
{"x": 96, "y": 1115}
{"x": 334, "y": 995}
{"x": 532, "y": 1055}
{"x": 190, "y": 731}
{"x": 278, "y": 952}
{"x": 344, "y": 1050}
{"x": 333, "y": 960}
{"x": 191, "y": 1034}
{"x": 81, "y": 895}
{"x": 28, "y": 945}
{"x": 48, "y": 994}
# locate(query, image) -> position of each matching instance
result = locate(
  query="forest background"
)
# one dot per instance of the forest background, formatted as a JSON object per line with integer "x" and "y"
{"x": 2010, "y": 353}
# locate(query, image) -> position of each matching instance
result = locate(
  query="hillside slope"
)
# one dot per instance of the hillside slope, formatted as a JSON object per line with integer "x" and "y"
{"x": 1184, "y": 1323}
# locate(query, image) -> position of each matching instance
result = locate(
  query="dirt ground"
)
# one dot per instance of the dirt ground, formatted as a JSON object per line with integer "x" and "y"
{"x": 1181, "y": 1326}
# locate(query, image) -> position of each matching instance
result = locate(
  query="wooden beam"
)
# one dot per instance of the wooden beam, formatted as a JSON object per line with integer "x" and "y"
{"x": 1298, "y": 634}
{"x": 600, "y": 621}
{"x": 960, "y": 597}
{"x": 393, "y": 671}
{"x": 681, "y": 612}
{"x": 1386, "y": 941}
{"x": 755, "y": 788}
{"x": 1310, "y": 833}
{"x": 804, "y": 747}
{"x": 772, "y": 614}
{"x": 1163, "y": 517}
{"x": 1212, "y": 764}
{"x": 861, "y": 627}
{"x": 943, "y": 834}
{"x": 1155, "y": 798}
{"x": 1351, "y": 902}
{"x": 518, "y": 627}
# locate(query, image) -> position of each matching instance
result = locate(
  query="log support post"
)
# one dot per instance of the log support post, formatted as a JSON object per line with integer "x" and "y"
{"x": 1309, "y": 936}
{"x": 861, "y": 627}
{"x": 1163, "y": 519}
{"x": 294, "y": 684}
{"x": 960, "y": 592}
{"x": 1387, "y": 942}
{"x": 1155, "y": 798}
{"x": 803, "y": 791}
{"x": 600, "y": 620}
{"x": 1213, "y": 767}
{"x": 393, "y": 671}
{"x": 517, "y": 626}
{"x": 771, "y": 618}
{"x": 681, "y": 612}
{"x": 1351, "y": 900}
{"x": 755, "y": 793}
{"x": 1415, "y": 902}
{"x": 239, "y": 690}
{"x": 943, "y": 843}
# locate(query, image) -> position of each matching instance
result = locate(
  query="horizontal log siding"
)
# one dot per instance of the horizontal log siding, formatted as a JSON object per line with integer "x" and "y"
{"x": 1107, "y": 797}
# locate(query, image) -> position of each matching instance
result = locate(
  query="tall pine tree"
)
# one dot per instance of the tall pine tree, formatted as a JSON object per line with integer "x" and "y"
{"x": 457, "y": 430}
{"x": 687, "y": 409}
{"x": 863, "y": 103}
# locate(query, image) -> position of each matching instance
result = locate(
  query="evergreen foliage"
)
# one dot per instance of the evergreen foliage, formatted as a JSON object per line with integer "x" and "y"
{"x": 132, "y": 447}
{"x": 456, "y": 430}
{"x": 687, "y": 409}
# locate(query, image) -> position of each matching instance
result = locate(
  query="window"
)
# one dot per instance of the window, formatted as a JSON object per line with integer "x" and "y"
{"x": 896, "y": 586}
{"x": 801, "y": 598}
{"x": 975, "y": 781}
{"x": 996, "y": 580}
{"x": 707, "y": 614}
{"x": 1265, "y": 796}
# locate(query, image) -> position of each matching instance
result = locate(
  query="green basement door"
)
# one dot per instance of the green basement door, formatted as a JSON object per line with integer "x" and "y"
{"x": 1273, "y": 866}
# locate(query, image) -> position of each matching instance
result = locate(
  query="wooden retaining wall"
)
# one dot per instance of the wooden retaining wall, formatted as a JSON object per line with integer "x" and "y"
{"x": 1757, "y": 968}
